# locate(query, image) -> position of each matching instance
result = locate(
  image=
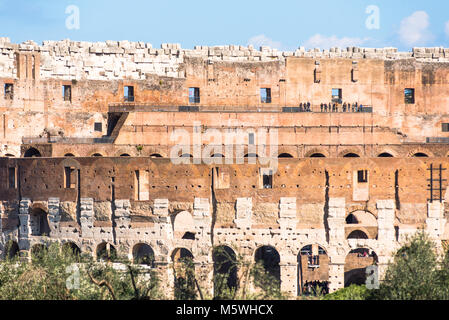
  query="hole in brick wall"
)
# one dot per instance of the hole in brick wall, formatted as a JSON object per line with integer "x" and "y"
{"x": 265, "y": 95}
{"x": 67, "y": 93}
{"x": 409, "y": 96}
{"x": 362, "y": 176}
{"x": 128, "y": 93}
{"x": 9, "y": 91}
{"x": 194, "y": 95}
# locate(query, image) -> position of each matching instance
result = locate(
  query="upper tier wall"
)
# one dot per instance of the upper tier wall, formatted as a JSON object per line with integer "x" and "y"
{"x": 112, "y": 60}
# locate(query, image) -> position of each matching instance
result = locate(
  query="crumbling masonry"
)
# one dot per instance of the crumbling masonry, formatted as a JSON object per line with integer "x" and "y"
{"x": 86, "y": 140}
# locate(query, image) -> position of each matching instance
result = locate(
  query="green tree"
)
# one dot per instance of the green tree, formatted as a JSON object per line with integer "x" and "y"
{"x": 413, "y": 274}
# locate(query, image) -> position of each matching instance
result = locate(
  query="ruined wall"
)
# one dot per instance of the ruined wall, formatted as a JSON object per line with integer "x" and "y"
{"x": 106, "y": 201}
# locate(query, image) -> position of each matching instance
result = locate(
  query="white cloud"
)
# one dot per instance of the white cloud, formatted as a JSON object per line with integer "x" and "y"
{"x": 323, "y": 42}
{"x": 262, "y": 40}
{"x": 414, "y": 29}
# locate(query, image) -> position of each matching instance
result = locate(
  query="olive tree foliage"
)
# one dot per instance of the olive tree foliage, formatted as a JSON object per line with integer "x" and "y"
{"x": 58, "y": 273}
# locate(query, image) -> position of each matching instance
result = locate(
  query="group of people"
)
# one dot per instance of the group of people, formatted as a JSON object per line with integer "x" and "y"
{"x": 345, "y": 107}
{"x": 315, "y": 288}
{"x": 332, "y": 107}
{"x": 305, "y": 107}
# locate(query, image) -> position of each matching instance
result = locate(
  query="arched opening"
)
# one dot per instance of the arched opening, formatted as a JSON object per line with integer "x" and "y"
{"x": 270, "y": 259}
{"x": 32, "y": 153}
{"x": 251, "y": 155}
{"x": 285, "y": 156}
{"x": 69, "y": 155}
{"x": 39, "y": 223}
{"x": 184, "y": 273}
{"x": 317, "y": 155}
{"x": 420, "y": 155}
{"x": 355, "y": 265}
{"x": 351, "y": 155}
{"x": 357, "y": 234}
{"x": 125, "y": 155}
{"x": 313, "y": 271}
{"x": 351, "y": 219}
{"x": 72, "y": 248}
{"x": 38, "y": 250}
{"x": 385, "y": 155}
{"x": 155, "y": 155}
{"x": 9, "y": 155}
{"x": 217, "y": 155}
{"x": 143, "y": 254}
{"x": 106, "y": 252}
{"x": 186, "y": 155}
{"x": 11, "y": 250}
{"x": 225, "y": 272}
{"x": 97, "y": 155}
{"x": 184, "y": 226}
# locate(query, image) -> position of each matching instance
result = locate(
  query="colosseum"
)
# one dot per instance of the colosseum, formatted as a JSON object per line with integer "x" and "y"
{"x": 330, "y": 159}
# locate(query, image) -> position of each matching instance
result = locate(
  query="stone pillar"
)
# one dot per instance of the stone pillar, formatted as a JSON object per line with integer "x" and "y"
{"x": 160, "y": 209}
{"x": 435, "y": 221}
{"x": 385, "y": 220}
{"x": 201, "y": 217}
{"x": 287, "y": 213}
{"x": 122, "y": 217}
{"x": 54, "y": 216}
{"x": 243, "y": 212}
{"x": 2, "y": 212}
{"x": 336, "y": 276}
{"x": 204, "y": 273}
{"x": 24, "y": 224}
{"x": 87, "y": 217}
{"x": 289, "y": 274}
{"x": 336, "y": 221}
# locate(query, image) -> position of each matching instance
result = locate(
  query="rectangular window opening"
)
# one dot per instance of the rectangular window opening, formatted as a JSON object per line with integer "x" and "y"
{"x": 337, "y": 95}
{"x": 9, "y": 91}
{"x": 12, "y": 178}
{"x": 409, "y": 96}
{"x": 69, "y": 178}
{"x": 129, "y": 93}
{"x": 194, "y": 95}
{"x": 67, "y": 93}
{"x": 362, "y": 176}
{"x": 265, "y": 95}
{"x": 268, "y": 180}
{"x": 445, "y": 127}
{"x": 251, "y": 138}
{"x": 98, "y": 126}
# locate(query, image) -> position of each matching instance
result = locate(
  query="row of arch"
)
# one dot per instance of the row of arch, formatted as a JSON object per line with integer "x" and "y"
{"x": 33, "y": 152}
{"x": 226, "y": 265}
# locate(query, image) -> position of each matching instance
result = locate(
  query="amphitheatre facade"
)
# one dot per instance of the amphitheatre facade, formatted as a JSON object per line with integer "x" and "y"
{"x": 357, "y": 142}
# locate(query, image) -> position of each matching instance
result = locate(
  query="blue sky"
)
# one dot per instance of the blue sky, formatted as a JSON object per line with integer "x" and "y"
{"x": 284, "y": 24}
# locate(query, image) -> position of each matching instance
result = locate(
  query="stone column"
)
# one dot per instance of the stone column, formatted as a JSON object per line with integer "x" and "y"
{"x": 24, "y": 224}
{"x": 201, "y": 216}
{"x": 2, "y": 212}
{"x": 160, "y": 209}
{"x": 287, "y": 213}
{"x": 385, "y": 220}
{"x": 243, "y": 212}
{"x": 122, "y": 217}
{"x": 289, "y": 274}
{"x": 54, "y": 215}
{"x": 336, "y": 275}
{"x": 336, "y": 221}
{"x": 87, "y": 217}
{"x": 435, "y": 221}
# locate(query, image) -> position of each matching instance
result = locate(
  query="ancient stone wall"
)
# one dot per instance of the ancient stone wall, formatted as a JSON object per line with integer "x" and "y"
{"x": 307, "y": 206}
